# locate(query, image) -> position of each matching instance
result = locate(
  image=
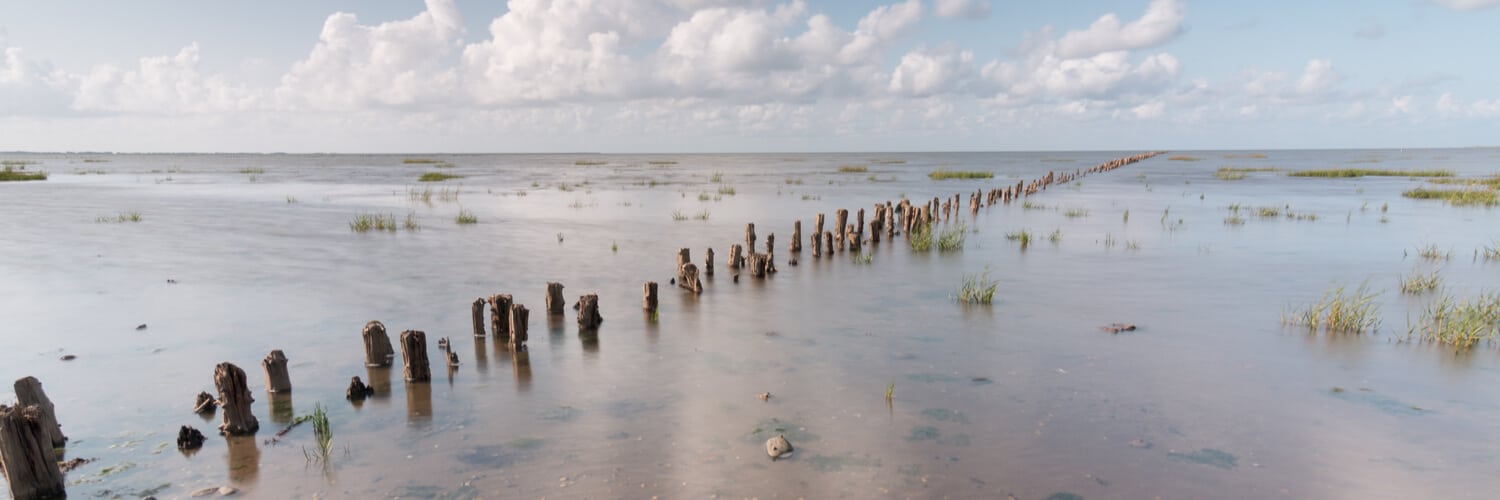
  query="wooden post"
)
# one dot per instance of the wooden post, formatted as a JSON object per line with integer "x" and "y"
{"x": 842, "y": 218}
{"x": 29, "y": 393}
{"x": 555, "y": 302}
{"x": 588, "y": 311}
{"x": 478, "y": 312}
{"x": 519, "y": 321}
{"x": 736, "y": 257}
{"x": 689, "y": 278}
{"x": 648, "y": 296}
{"x": 500, "y": 315}
{"x": 758, "y": 265}
{"x": 890, "y": 226}
{"x": 771, "y": 253}
{"x": 189, "y": 438}
{"x": 205, "y": 404}
{"x": 234, "y": 396}
{"x": 750, "y": 237}
{"x": 817, "y": 244}
{"x": 859, "y": 225}
{"x": 852, "y": 238}
{"x": 26, "y": 452}
{"x": 357, "y": 390}
{"x": 378, "y": 350}
{"x": 828, "y": 243}
{"x": 708, "y": 262}
{"x": 414, "y": 356}
{"x": 796, "y": 245}
{"x": 277, "y": 378}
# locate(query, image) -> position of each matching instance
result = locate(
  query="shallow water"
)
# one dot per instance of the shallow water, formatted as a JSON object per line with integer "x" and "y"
{"x": 1211, "y": 397}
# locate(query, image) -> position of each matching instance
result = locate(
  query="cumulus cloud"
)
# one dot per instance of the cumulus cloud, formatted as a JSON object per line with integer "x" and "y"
{"x": 1481, "y": 108}
{"x": 923, "y": 72}
{"x": 397, "y": 63}
{"x": 1317, "y": 78}
{"x": 962, "y": 9}
{"x": 1161, "y": 23}
{"x": 31, "y": 87}
{"x": 1467, "y": 4}
{"x": 161, "y": 85}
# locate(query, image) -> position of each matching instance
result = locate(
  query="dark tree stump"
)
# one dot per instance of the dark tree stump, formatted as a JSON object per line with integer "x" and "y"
{"x": 708, "y": 262}
{"x": 478, "y": 311}
{"x": 29, "y": 393}
{"x": 277, "y": 378}
{"x": 27, "y": 454}
{"x": 234, "y": 396}
{"x": 519, "y": 322}
{"x": 189, "y": 438}
{"x": 357, "y": 390}
{"x": 588, "y": 311}
{"x": 689, "y": 278}
{"x": 648, "y": 296}
{"x": 555, "y": 302}
{"x": 378, "y": 350}
{"x": 770, "y": 243}
{"x": 205, "y": 404}
{"x": 500, "y": 315}
{"x": 414, "y": 356}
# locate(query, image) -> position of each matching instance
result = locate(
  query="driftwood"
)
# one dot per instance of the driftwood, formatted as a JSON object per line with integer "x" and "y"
{"x": 27, "y": 454}
{"x": 796, "y": 245}
{"x": 205, "y": 404}
{"x": 500, "y": 315}
{"x": 555, "y": 302}
{"x": 277, "y": 378}
{"x": 648, "y": 296}
{"x": 189, "y": 438}
{"x": 234, "y": 396}
{"x": 708, "y": 262}
{"x": 519, "y": 321}
{"x": 28, "y": 393}
{"x": 477, "y": 310}
{"x": 377, "y": 345}
{"x": 588, "y": 311}
{"x": 357, "y": 390}
{"x": 414, "y": 356}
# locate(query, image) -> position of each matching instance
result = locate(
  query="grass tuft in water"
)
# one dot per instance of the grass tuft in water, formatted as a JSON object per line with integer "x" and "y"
{"x": 1023, "y": 236}
{"x": 11, "y": 174}
{"x": 702, "y": 215}
{"x": 322, "y": 435}
{"x": 850, "y": 169}
{"x": 411, "y": 222}
{"x": 465, "y": 217}
{"x": 1419, "y": 282}
{"x": 1432, "y": 252}
{"x": 863, "y": 258}
{"x": 1457, "y": 197}
{"x": 1056, "y": 236}
{"x": 678, "y": 216}
{"x": 120, "y": 218}
{"x": 1459, "y": 323}
{"x": 437, "y": 177}
{"x": 1490, "y": 252}
{"x": 717, "y": 177}
{"x": 951, "y": 239}
{"x": 920, "y": 237}
{"x": 1339, "y": 311}
{"x": 372, "y": 222}
{"x": 726, "y": 190}
{"x": 944, "y": 174}
{"x": 1370, "y": 172}
{"x": 1073, "y": 213}
{"x": 978, "y": 288}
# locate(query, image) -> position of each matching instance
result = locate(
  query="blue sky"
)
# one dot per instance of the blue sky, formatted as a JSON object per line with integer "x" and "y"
{"x": 733, "y": 75}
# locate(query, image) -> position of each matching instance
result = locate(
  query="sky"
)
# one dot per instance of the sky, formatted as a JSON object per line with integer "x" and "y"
{"x": 363, "y": 76}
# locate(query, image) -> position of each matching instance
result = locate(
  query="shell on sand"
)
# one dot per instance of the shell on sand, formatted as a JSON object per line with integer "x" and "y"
{"x": 778, "y": 446}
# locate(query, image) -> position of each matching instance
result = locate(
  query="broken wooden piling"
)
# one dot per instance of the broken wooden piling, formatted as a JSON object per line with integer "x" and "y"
{"x": 842, "y": 219}
{"x": 750, "y": 237}
{"x": 234, "y": 397}
{"x": 357, "y": 390}
{"x": 796, "y": 245}
{"x": 414, "y": 356}
{"x": 500, "y": 315}
{"x": 277, "y": 378}
{"x": 687, "y": 272}
{"x": 205, "y": 404}
{"x": 648, "y": 296}
{"x": 736, "y": 257}
{"x": 477, "y": 310}
{"x": 27, "y": 455}
{"x": 29, "y": 393}
{"x": 519, "y": 321}
{"x": 555, "y": 302}
{"x": 828, "y": 243}
{"x": 378, "y": 350}
{"x": 588, "y": 311}
{"x": 708, "y": 262}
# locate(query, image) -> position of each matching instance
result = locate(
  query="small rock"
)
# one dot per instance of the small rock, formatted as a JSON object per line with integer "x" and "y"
{"x": 205, "y": 403}
{"x": 357, "y": 391}
{"x": 189, "y": 438}
{"x": 142, "y": 327}
{"x": 69, "y": 357}
{"x": 171, "y": 281}
{"x": 73, "y": 464}
{"x": 778, "y": 446}
{"x": 1140, "y": 443}
{"x": 764, "y": 396}
{"x": 211, "y": 490}
{"x": 225, "y": 491}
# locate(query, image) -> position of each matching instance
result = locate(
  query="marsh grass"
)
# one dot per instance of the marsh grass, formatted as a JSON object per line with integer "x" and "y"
{"x": 589, "y": 163}
{"x": 851, "y": 169}
{"x": 863, "y": 258}
{"x": 890, "y": 392}
{"x": 1229, "y": 175}
{"x": 1234, "y": 220}
{"x": 1028, "y": 205}
{"x": 793, "y": 181}
{"x": 717, "y": 177}
{"x": 411, "y": 222}
{"x": 1432, "y": 252}
{"x": 465, "y": 217}
{"x": 978, "y": 288}
{"x": 1056, "y": 236}
{"x": 1183, "y": 158}
{"x": 120, "y": 218}
{"x": 662, "y": 162}
{"x": 1492, "y": 182}
{"x": 11, "y": 174}
{"x": 1073, "y": 213}
{"x": 367, "y": 222}
{"x": 420, "y": 161}
{"x": 944, "y": 174}
{"x": 252, "y": 170}
{"x": 322, "y": 437}
{"x": 726, "y": 190}
{"x": 1126, "y": 218}
{"x": 437, "y": 177}
{"x": 702, "y": 215}
{"x": 1369, "y": 172}
{"x": 1456, "y": 197}
{"x": 920, "y": 237}
{"x": 678, "y": 216}
{"x": 1023, "y": 237}
{"x": 291, "y": 200}
{"x": 951, "y": 239}
{"x": 1459, "y": 323}
{"x": 1339, "y": 311}
{"x": 1418, "y": 282}
{"x": 1490, "y": 252}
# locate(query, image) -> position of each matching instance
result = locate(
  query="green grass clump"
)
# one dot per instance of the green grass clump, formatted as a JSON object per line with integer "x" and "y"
{"x": 1056, "y": 236}
{"x": 372, "y": 222}
{"x": 420, "y": 161}
{"x": 678, "y": 216}
{"x": 1339, "y": 311}
{"x": 849, "y": 169}
{"x": 588, "y": 163}
{"x": 717, "y": 177}
{"x": 1234, "y": 220}
{"x": 1488, "y": 252}
{"x": 951, "y": 239}
{"x": 1456, "y": 197}
{"x": 793, "y": 181}
{"x": 120, "y": 218}
{"x": 1269, "y": 212}
{"x": 322, "y": 435}
{"x": 944, "y": 174}
{"x": 1023, "y": 236}
{"x": 662, "y": 162}
{"x": 1432, "y": 252}
{"x": 1229, "y": 175}
{"x": 1419, "y": 282}
{"x": 11, "y": 174}
{"x": 920, "y": 238}
{"x": 1183, "y": 158}
{"x": 702, "y": 215}
{"x": 1492, "y": 182}
{"x": 1073, "y": 213}
{"x": 437, "y": 177}
{"x": 978, "y": 288}
{"x": 1028, "y": 205}
{"x": 411, "y": 222}
{"x": 726, "y": 190}
{"x": 1459, "y": 323}
{"x": 863, "y": 258}
{"x": 252, "y": 170}
{"x": 1363, "y": 172}
{"x": 465, "y": 217}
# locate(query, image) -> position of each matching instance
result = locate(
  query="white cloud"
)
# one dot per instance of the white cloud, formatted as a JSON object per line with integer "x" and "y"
{"x": 1161, "y": 23}
{"x": 397, "y": 63}
{"x": 31, "y": 87}
{"x": 161, "y": 85}
{"x": 1150, "y": 110}
{"x": 1448, "y": 106}
{"x": 1467, "y": 4}
{"x": 923, "y": 72}
{"x": 1318, "y": 78}
{"x": 1401, "y": 105}
{"x": 962, "y": 9}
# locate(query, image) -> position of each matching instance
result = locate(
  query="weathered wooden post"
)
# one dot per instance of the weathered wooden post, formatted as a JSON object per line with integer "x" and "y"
{"x": 689, "y": 278}
{"x": 357, "y": 390}
{"x": 750, "y": 236}
{"x": 828, "y": 243}
{"x": 555, "y": 302}
{"x": 414, "y": 356}
{"x": 757, "y": 265}
{"x": 26, "y": 453}
{"x": 378, "y": 350}
{"x": 234, "y": 396}
{"x": 817, "y": 244}
{"x": 477, "y": 310}
{"x": 648, "y": 296}
{"x": 708, "y": 262}
{"x": 890, "y": 226}
{"x": 588, "y": 311}
{"x": 29, "y": 393}
{"x": 859, "y": 225}
{"x": 796, "y": 244}
{"x": 852, "y": 238}
{"x": 519, "y": 321}
{"x": 500, "y": 315}
{"x": 277, "y": 378}
{"x": 842, "y": 219}
{"x": 771, "y": 253}
{"x": 736, "y": 257}
{"x": 205, "y": 404}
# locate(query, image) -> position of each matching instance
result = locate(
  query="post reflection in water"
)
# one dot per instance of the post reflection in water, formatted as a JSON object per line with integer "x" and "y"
{"x": 243, "y": 459}
{"x": 521, "y": 359}
{"x": 380, "y": 382}
{"x": 653, "y": 329}
{"x": 589, "y": 338}
{"x": 419, "y": 403}
{"x": 281, "y": 407}
{"x": 555, "y": 330}
{"x": 481, "y": 357}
